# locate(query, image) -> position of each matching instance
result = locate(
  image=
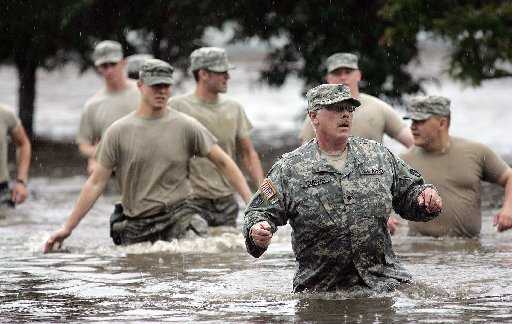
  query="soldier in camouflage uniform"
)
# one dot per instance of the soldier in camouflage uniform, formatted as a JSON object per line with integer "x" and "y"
{"x": 337, "y": 192}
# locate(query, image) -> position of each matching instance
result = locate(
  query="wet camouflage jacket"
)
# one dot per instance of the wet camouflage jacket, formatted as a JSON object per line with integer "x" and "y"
{"x": 340, "y": 238}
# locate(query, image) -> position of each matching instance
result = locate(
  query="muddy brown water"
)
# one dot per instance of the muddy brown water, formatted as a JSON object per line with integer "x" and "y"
{"x": 214, "y": 280}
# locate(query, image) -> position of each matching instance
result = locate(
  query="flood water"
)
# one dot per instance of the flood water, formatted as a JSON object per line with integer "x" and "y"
{"x": 215, "y": 280}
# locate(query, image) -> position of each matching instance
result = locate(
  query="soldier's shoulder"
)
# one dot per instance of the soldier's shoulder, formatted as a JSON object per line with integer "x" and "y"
{"x": 464, "y": 144}
{"x": 230, "y": 103}
{"x": 181, "y": 99}
{"x": 367, "y": 149}
{"x": 95, "y": 100}
{"x": 366, "y": 143}
{"x": 299, "y": 153}
{"x": 122, "y": 125}
{"x": 369, "y": 100}
{"x": 183, "y": 117}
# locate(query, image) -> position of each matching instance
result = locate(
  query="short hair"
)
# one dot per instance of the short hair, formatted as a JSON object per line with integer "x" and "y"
{"x": 195, "y": 73}
{"x": 133, "y": 75}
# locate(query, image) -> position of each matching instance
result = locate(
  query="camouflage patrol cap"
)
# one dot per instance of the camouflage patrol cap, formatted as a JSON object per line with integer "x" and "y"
{"x": 210, "y": 58}
{"x": 155, "y": 71}
{"x": 421, "y": 108}
{"x": 134, "y": 63}
{"x": 328, "y": 94}
{"x": 107, "y": 52}
{"x": 339, "y": 60}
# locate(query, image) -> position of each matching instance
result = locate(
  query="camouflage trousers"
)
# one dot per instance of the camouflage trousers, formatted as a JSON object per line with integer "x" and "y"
{"x": 178, "y": 222}
{"x": 217, "y": 212}
{"x": 5, "y": 195}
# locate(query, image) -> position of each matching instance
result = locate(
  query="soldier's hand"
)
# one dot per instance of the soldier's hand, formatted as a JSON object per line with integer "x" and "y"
{"x": 261, "y": 234}
{"x": 503, "y": 221}
{"x": 430, "y": 200}
{"x": 19, "y": 193}
{"x": 392, "y": 224}
{"x": 58, "y": 237}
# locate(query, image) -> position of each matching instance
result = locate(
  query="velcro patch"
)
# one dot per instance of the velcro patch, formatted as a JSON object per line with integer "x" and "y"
{"x": 267, "y": 189}
{"x": 371, "y": 171}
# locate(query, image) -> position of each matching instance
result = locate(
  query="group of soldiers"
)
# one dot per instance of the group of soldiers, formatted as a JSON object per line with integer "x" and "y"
{"x": 174, "y": 162}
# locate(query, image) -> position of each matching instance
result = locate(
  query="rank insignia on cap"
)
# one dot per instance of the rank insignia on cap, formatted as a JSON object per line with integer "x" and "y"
{"x": 267, "y": 189}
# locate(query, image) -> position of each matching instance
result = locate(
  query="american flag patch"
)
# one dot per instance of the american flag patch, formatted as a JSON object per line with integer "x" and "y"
{"x": 267, "y": 189}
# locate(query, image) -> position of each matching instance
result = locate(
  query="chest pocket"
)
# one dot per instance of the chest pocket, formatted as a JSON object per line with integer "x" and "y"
{"x": 368, "y": 193}
{"x": 317, "y": 203}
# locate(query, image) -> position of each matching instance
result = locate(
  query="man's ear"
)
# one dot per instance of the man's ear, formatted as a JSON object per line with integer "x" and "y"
{"x": 359, "y": 75}
{"x": 313, "y": 117}
{"x": 444, "y": 122}
{"x": 202, "y": 73}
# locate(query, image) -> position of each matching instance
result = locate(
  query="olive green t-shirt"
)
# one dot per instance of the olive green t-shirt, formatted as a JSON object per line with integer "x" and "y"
{"x": 104, "y": 108}
{"x": 228, "y": 122}
{"x": 151, "y": 157}
{"x": 8, "y": 121}
{"x": 456, "y": 174}
{"x": 371, "y": 120}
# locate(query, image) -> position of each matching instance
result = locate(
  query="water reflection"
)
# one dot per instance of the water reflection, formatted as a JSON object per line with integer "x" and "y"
{"x": 357, "y": 310}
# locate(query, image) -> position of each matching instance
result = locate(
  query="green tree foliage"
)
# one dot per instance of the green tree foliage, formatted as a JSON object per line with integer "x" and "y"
{"x": 384, "y": 34}
{"x": 316, "y": 29}
{"x": 37, "y": 34}
{"x": 480, "y": 32}
{"x": 170, "y": 30}
{"x": 46, "y": 34}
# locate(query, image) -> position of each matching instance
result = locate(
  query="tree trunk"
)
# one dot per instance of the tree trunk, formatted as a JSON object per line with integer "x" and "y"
{"x": 27, "y": 94}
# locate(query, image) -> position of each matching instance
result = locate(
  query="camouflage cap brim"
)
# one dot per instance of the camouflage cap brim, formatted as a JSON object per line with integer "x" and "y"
{"x": 152, "y": 80}
{"x": 417, "y": 116}
{"x": 113, "y": 58}
{"x": 221, "y": 68}
{"x": 342, "y": 60}
{"x": 354, "y": 102}
{"x": 344, "y": 65}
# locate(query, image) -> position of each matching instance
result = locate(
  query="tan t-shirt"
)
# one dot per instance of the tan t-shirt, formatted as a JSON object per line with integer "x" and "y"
{"x": 336, "y": 160}
{"x": 227, "y": 121}
{"x": 103, "y": 109}
{"x": 372, "y": 120}
{"x": 151, "y": 157}
{"x": 456, "y": 174}
{"x": 8, "y": 121}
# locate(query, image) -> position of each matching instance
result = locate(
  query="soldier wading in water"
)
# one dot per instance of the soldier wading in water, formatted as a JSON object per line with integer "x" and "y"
{"x": 337, "y": 192}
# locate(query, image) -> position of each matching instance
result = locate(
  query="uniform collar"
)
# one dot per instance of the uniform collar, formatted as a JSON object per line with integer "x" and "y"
{"x": 354, "y": 155}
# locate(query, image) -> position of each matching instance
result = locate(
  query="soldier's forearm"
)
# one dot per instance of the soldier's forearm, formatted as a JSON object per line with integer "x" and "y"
{"x": 24, "y": 152}
{"x": 253, "y": 165}
{"x": 409, "y": 208}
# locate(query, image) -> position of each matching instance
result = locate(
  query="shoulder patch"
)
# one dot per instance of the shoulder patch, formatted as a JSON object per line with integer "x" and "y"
{"x": 267, "y": 189}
